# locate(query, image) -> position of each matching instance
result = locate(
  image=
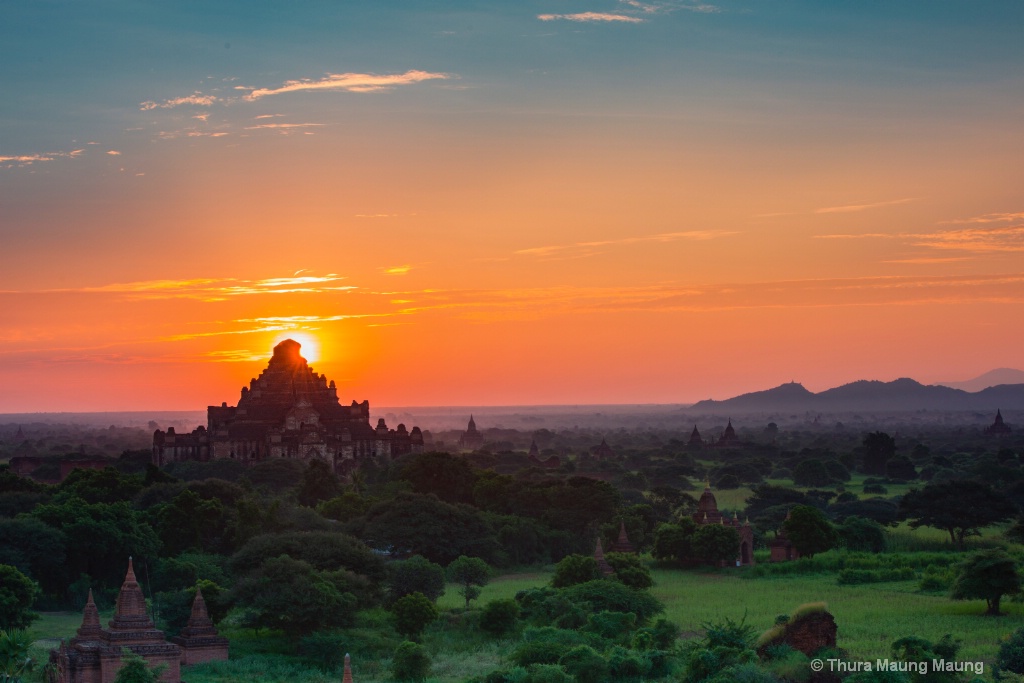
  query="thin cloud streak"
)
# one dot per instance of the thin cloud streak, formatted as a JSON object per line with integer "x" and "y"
{"x": 196, "y": 99}
{"x": 864, "y": 207}
{"x": 585, "y": 17}
{"x": 699, "y": 235}
{"x": 350, "y": 82}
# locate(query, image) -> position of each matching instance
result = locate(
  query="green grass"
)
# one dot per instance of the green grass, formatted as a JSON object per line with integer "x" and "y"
{"x": 869, "y": 616}
{"x": 500, "y": 587}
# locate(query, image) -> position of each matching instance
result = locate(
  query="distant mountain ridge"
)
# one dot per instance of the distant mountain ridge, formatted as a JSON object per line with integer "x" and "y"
{"x": 871, "y": 396}
{"x": 989, "y": 379}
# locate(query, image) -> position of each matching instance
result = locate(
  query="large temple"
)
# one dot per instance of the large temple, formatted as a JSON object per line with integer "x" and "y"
{"x": 289, "y": 411}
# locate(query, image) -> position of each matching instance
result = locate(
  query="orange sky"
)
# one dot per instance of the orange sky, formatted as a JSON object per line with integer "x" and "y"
{"x": 517, "y": 209}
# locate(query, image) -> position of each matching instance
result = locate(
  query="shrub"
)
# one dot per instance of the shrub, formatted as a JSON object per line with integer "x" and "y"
{"x": 415, "y": 575}
{"x": 630, "y": 570}
{"x": 547, "y": 673}
{"x": 625, "y": 664}
{"x": 413, "y": 613}
{"x": 615, "y": 626}
{"x": 615, "y": 597}
{"x": 410, "y": 663}
{"x": 585, "y": 664}
{"x": 1011, "y": 653}
{"x": 499, "y": 617}
{"x": 575, "y": 569}
{"x": 875, "y": 488}
{"x": 849, "y": 577}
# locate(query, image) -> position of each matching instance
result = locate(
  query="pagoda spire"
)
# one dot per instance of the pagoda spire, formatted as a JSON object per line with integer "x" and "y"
{"x": 347, "y": 676}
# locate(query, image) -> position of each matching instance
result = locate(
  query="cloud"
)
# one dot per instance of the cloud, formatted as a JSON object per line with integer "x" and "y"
{"x": 1002, "y": 239}
{"x": 196, "y": 99}
{"x": 588, "y": 247}
{"x": 863, "y": 207}
{"x": 21, "y": 160}
{"x": 282, "y": 125}
{"x": 216, "y": 289}
{"x": 991, "y": 218}
{"x": 113, "y": 153}
{"x": 350, "y": 82}
{"x": 398, "y": 270}
{"x": 861, "y": 236}
{"x": 591, "y": 17}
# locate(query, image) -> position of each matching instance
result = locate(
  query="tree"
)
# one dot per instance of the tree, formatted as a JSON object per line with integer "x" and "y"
{"x": 413, "y": 613}
{"x": 673, "y": 541}
{"x": 292, "y": 596}
{"x": 415, "y": 575}
{"x": 878, "y": 448}
{"x": 17, "y": 593}
{"x": 630, "y": 570}
{"x": 811, "y": 473}
{"x": 715, "y": 544}
{"x": 809, "y": 531}
{"x": 451, "y": 478}
{"x": 470, "y": 573}
{"x": 900, "y": 467}
{"x": 574, "y": 569}
{"x": 959, "y": 507}
{"x": 318, "y": 483}
{"x": 499, "y": 617}
{"x": 324, "y": 550}
{"x": 135, "y": 670}
{"x": 345, "y": 507}
{"x": 858, "y": 533}
{"x": 988, "y": 575}
{"x": 410, "y": 663}
{"x": 1011, "y": 654}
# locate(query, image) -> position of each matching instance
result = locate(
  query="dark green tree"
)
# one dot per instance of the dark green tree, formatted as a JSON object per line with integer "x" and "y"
{"x": 811, "y": 473}
{"x": 574, "y": 569}
{"x": 471, "y": 573}
{"x": 499, "y": 617}
{"x": 900, "y": 467}
{"x": 987, "y": 575}
{"x": 451, "y": 478}
{"x": 324, "y": 550}
{"x": 959, "y": 507}
{"x": 36, "y": 549}
{"x": 134, "y": 669}
{"x": 878, "y": 448}
{"x": 630, "y": 570}
{"x": 415, "y": 575}
{"x": 98, "y": 486}
{"x": 189, "y": 522}
{"x": 715, "y": 544}
{"x": 674, "y": 541}
{"x": 292, "y": 596}
{"x": 346, "y": 506}
{"x": 15, "y": 655}
{"x": 411, "y": 662}
{"x": 17, "y": 593}
{"x": 413, "y": 613}
{"x": 809, "y": 530}
{"x": 857, "y": 533}
{"x": 318, "y": 483}
{"x": 1011, "y": 654}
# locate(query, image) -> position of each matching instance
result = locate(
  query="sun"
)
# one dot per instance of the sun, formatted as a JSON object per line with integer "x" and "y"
{"x": 310, "y": 344}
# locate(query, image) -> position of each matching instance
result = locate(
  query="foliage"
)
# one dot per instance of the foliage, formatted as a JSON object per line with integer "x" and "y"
{"x": 673, "y": 541}
{"x": 878, "y": 448}
{"x": 413, "y": 613}
{"x": 584, "y": 664}
{"x": 959, "y": 507}
{"x": 613, "y": 626}
{"x": 854, "y": 576}
{"x": 98, "y": 486}
{"x": 447, "y": 476}
{"x": 811, "y": 473}
{"x": 574, "y": 569}
{"x": 36, "y": 549}
{"x": 499, "y": 617}
{"x": 15, "y": 654}
{"x": 100, "y": 536}
{"x": 470, "y": 573}
{"x": 630, "y": 570}
{"x": 295, "y": 597}
{"x": 190, "y": 522}
{"x": 345, "y": 507}
{"x": 858, "y": 533}
{"x": 411, "y": 662}
{"x": 135, "y": 670}
{"x": 715, "y": 544}
{"x": 809, "y": 531}
{"x": 318, "y": 483}
{"x": 415, "y": 575}
{"x": 1011, "y": 653}
{"x": 915, "y": 649}
{"x": 17, "y": 593}
{"x": 425, "y": 525}
{"x": 988, "y": 575}
{"x": 325, "y": 550}
{"x": 614, "y": 596}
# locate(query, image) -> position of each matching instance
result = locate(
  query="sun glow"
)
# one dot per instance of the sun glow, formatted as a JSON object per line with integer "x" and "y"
{"x": 310, "y": 344}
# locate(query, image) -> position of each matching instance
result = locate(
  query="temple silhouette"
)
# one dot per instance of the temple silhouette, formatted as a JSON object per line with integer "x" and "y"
{"x": 289, "y": 411}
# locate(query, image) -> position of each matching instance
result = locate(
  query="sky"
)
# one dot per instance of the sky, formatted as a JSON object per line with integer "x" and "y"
{"x": 506, "y": 203}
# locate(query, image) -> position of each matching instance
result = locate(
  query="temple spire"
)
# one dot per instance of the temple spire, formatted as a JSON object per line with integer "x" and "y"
{"x": 347, "y": 676}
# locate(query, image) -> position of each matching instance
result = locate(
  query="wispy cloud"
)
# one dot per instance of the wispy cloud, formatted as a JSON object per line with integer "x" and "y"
{"x": 283, "y": 125}
{"x": 864, "y": 207}
{"x": 590, "y": 247}
{"x": 1002, "y": 239}
{"x": 858, "y": 236}
{"x": 591, "y": 17}
{"x": 216, "y": 289}
{"x": 398, "y": 270}
{"x": 20, "y": 160}
{"x": 991, "y": 218}
{"x": 350, "y": 82}
{"x": 196, "y": 99}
